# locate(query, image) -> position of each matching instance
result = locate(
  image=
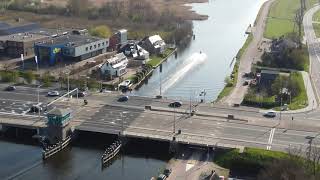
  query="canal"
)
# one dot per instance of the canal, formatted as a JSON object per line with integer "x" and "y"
{"x": 219, "y": 38}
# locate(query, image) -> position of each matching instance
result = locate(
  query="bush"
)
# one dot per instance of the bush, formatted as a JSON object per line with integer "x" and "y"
{"x": 29, "y": 76}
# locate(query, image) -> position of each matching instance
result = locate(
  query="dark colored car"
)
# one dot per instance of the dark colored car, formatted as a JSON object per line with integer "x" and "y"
{"x": 123, "y": 98}
{"x": 175, "y": 104}
{"x": 82, "y": 94}
{"x": 167, "y": 172}
{"x": 10, "y": 88}
{"x": 35, "y": 109}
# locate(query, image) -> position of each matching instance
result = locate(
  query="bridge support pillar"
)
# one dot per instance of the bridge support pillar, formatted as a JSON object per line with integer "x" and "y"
{"x": 174, "y": 146}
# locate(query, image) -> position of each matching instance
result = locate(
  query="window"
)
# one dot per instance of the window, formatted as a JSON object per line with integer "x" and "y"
{"x": 103, "y": 44}
{"x": 90, "y": 47}
{"x": 99, "y": 45}
{"x": 95, "y": 46}
{"x": 87, "y": 48}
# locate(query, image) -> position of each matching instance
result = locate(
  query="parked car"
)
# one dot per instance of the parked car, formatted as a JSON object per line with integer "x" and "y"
{"x": 10, "y": 88}
{"x": 246, "y": 83}
{"x": 53, "y": 93}
{"x": 123, "y": 99}
{"x": 162, "y": 177}
{"x": 82, "y": 94}
{"x": 175, "y": 104}
{"x": 35, "y": 109}
{"x": 270, "y": 114}
{"x": 167, "y": 172}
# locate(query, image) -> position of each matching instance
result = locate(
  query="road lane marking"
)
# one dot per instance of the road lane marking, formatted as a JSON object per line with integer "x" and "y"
{"x": 271, "y": 138}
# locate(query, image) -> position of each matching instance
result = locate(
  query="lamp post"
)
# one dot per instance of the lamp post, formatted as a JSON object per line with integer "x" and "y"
{"x": 122, "y": 121}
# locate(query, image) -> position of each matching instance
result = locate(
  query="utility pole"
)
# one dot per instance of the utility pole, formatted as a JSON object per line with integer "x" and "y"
{"x": 174, "y": 119}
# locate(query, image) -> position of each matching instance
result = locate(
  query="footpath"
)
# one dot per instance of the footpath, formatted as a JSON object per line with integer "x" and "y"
{"x": 249, "y": 56}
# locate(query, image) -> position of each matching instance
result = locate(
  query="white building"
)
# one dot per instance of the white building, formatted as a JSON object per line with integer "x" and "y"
{"x": 115, "y": 66}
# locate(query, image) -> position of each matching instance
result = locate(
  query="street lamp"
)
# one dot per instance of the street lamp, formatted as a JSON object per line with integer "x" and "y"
{"x": 122, "y": 121}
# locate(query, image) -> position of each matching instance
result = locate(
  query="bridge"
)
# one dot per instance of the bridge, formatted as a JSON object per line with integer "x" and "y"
{"x": 211, "y": 125}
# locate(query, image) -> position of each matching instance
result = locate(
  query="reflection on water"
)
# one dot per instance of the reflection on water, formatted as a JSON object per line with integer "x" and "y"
{"x": 220, "y": 38}
{"x": 138, "y": 160}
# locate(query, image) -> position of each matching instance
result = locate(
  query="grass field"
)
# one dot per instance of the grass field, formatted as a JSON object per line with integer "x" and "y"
{"x": 281, "y": 17}
{"x": 250, "y": 161}
{"x": 316, "y": 28}
{"x": 301, "y": 100}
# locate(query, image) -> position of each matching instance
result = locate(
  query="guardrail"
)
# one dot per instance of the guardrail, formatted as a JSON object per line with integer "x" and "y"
{"x": 111, "y": 152}
{"x": 52, "y": 150}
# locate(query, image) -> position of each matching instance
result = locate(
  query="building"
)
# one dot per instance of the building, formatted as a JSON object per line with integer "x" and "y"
{"x": 17, "y": 27}
{"x": 115, "y": 66}
{"x": 117, "y": 39}
{"x": 134, "y": 51}
{"x": 59, "y": 127}
{"x": 154, "y": 44}
{"x": 22, "y": 43}
{"x": 268, "y": 76}
{"x": 69, "y": 46}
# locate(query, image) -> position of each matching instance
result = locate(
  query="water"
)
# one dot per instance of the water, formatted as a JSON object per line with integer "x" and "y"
{"x": 219, "y": 38}
{"x": 140, "y": 160}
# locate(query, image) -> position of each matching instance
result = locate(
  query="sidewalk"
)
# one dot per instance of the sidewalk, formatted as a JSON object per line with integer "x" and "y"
{"x": 251, "y": 54}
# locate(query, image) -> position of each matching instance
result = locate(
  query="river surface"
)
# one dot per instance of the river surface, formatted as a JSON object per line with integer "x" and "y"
{"x": 219, "y": 38}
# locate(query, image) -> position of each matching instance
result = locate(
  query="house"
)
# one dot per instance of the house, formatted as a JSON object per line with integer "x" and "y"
{"x": 268, "y": 76}
{"x": 66, "y": 46}
{"x": 17, "y": 27}
{"x": 134, "y": 51}
{"x": 115, "y": 66}
{"x": 22, "y": 43}
{"x": 117, "y": 39}
{"x": 153, "y": 44}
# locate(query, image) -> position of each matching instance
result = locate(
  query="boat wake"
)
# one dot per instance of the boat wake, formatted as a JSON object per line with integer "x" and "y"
{"x": 192, "y": 62}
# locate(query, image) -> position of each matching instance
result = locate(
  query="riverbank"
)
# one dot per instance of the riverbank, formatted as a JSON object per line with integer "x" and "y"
{"x": 235, "y": 93}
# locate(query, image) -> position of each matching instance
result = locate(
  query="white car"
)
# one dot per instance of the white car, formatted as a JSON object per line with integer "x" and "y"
{"x": 53, "y": 93}
{"x": 270, "y": 114}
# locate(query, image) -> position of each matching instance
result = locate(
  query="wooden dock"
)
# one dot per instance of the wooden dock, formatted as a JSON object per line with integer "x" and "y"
{"x": 111, "y": 152}
{"x": 52, "y": 150}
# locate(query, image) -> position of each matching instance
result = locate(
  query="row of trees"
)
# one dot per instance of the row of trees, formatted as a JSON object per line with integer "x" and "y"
{"x": 299, "y": 164}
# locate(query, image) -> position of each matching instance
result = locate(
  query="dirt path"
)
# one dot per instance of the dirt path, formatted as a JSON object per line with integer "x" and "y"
{"x": 251, "y": 54}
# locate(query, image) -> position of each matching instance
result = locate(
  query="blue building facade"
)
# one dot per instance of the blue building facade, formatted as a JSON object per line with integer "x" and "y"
{"x": 49, "y": 53}
{"x": 64, "y": 47}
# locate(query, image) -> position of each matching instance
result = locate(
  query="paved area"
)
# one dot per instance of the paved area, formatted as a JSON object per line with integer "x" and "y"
{"x": 209, "y": 125}
{"x": 251, "y": 54}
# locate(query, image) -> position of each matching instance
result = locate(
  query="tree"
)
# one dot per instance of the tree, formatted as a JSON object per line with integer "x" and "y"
{"x": 78, "y": 7}
{"x": 101, "y": 31}
{"x": 46, "y": 79}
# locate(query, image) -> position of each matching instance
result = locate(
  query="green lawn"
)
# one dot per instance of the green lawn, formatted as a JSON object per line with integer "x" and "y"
{"x": 316, "y": 16}
{"x": 251, "y": 160}
{"x": 280, "y": 19}
{"x": 301, "y": 100}
{"x": 156, "y": 60}
{"x": 316, "y": 28}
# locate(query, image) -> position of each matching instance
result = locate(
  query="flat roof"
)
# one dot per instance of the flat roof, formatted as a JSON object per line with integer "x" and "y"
{"x": 22, "y": 37}
{"x": 71, "y": 40}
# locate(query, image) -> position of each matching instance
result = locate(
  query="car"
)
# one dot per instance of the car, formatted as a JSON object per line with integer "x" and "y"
{"x": 10, "y": 88}
{"x": 246, "y": 83}
{"x": 162, "y": 177}
{"x": 167, "y": 172}
{"x": 82, "y": 94}
{"x": 53, "y": 93}
{"x": 175, "y": 104}
{"x": 123, "y": 98}
{"x": 35, "y": 109}
{"x": 270, "y": 114}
